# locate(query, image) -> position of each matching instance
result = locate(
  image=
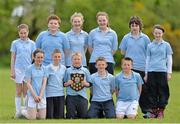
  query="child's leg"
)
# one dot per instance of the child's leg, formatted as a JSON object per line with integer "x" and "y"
{"x": 121, "y": 109}
{"x": 71, "y": 106}
{"x": 132, "y": 110}
{"x": 50, "y": 107}
{"x": 109, "y": 110}
{"x": 163, "y": 90}
{"x": 24, "y": 88}
{"x": 82, "y": 107}
{"x": 41, "y": 106}
{"x": 18, "y": 99}
{"x": 41, "y": 114}
{"x": 59, "y": 107}
{"x": 94, "y": 110}
{"x": 31, "y": 114}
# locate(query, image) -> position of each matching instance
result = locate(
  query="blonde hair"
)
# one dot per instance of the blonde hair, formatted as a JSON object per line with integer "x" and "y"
{"x": 76, "y": 54}
{"x": 23, "y": 26}
{"x": 103, "y": 14}
{"x": 77, "y": 14}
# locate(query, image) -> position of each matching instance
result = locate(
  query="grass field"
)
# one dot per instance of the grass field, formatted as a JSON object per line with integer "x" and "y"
{"x": 7, "y": 108}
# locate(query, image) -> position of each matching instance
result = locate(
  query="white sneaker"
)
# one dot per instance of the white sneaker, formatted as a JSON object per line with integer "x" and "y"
{"x": 24, "y": 112}
{"x": 18, "y": 115}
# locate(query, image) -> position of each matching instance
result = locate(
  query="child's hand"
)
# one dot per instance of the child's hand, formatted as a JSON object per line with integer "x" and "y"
{"x": 68, "y": 83}
{"x": 145, "y": 78}
{"x": 12, "y": 75}
{"x": 168, "y": 76}
{"x": 85, "y": 83}
{"x": 37, "y": 99}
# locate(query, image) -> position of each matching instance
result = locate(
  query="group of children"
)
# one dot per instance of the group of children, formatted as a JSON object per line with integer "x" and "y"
{"x": 42, "y": 71}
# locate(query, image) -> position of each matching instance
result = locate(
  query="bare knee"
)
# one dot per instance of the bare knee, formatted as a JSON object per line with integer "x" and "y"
{"x": 119, "y": 116}
{"x": 131, "y": 116}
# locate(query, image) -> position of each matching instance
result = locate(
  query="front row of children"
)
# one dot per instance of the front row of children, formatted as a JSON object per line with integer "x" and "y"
{"x": 46, "y": 89}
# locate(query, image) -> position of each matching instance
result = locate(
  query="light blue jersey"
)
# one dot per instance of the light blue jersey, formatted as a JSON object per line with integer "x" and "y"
{"x": 81, "y": 70}
{"x": 36, "y": 75}
{"x": 78, "y": 43}
{"x": 102, "y": 88}
{"x": 128, "y": 86}
{"x": 103, "y": 44}
{"x": 48, "y": 42}
{"x": 23, "y": 51}
{"x": 135, "y": 48}
{"x": 157, "y": 53}
{"x": 55, "y": 82}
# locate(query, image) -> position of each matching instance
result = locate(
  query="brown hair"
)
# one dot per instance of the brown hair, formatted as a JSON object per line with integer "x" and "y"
{"x": 37, "y": 51}
{"x": 23, "y": 26}
{"x": 101, "y": 59}
{"x": 54, "y": 17}
{"x": 158, "y": 26}
{"x": 56, "y": 51}
{"x": 127, "y": 59}
{"x": 137, "y": 20}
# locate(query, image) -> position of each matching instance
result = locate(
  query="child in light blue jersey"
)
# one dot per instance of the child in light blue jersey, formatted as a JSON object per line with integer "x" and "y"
{"x": 103, "y": 86}
{"x": 102, "y": 41}
{"x": 55, "y": 88}
{"x": 36, "y": 78}
{"x": 134, "y": 45}
{"x": 53, "y": 39}
{"x": 76, "y": 79}
{"x": 77, "y": 38}
{"x": 128, "y": 90}
{"x": 21, "y": 57}
{"x": 158, "y": 72}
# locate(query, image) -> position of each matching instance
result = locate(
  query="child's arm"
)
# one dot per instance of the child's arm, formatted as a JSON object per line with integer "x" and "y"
{"x": 85, "y": 83}
{"x": 68, "y": 83}
{"x": 43, "y": 87}
{"x": 13, "y": 58}
{"x": 36, "y": 99}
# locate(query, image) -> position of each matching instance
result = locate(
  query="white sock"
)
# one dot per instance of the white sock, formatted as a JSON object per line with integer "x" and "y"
{"x": 25, "y": 101}
{"x": 18, "y": 104}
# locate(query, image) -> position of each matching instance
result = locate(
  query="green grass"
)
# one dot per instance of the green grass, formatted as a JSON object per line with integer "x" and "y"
{"x": 7, "y": 108}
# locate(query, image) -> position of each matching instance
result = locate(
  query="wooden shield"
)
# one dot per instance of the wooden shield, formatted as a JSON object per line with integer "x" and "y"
{"x": 77, "y": 78}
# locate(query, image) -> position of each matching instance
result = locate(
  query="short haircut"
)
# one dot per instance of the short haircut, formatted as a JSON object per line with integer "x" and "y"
{"x": 101, "y": 59}
{"x": 54, "y": 17}
{"x": 158, "y": 26}
{"x": 56, "y": 51}
{"x": 23, "y": 26}
{"x": 137, "y": 20}
{"x": 103, "y": 14}
{"x": 76, "y": 54}
{"x": 37, "y": 51}
{"x": 77, "y": 14}
{"x": 127, "y": 59}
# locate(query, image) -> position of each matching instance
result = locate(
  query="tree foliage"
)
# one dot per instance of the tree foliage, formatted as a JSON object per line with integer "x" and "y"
{"x": 35, "y": 13}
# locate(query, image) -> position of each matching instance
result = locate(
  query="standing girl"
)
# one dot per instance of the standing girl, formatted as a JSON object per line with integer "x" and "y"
{"x": 102, "y": 41}
{"x": 55, "y": 88}
{"x": 52, "y": 39}
{"x": 36, "y": 78}
{"x": 158, "y": 72}
{"x": 21, "y": 57}
{"x": 77, "y": 38}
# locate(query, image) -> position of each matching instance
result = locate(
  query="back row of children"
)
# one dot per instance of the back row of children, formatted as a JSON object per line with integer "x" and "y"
{"x": 153, "y": 61}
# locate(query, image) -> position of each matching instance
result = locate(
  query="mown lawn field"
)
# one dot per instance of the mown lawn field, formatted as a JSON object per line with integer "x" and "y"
{"x": 7, "y": 108}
